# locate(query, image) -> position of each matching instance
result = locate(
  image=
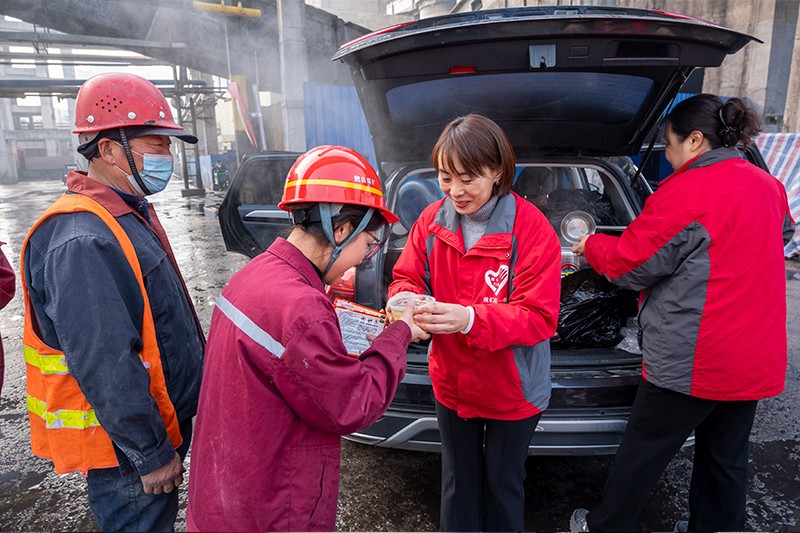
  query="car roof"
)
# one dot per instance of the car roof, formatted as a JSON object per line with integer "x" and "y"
{"x": 573, "y": 80}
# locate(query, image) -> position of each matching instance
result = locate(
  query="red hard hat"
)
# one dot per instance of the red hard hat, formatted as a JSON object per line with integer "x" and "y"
{"x": 336, "y": 175}
{"x": 117, "y": 100}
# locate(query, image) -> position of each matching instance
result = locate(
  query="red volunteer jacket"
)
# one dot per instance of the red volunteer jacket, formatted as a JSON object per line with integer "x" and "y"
{"x": 278, "y": 392}
{"x": 708, "y": 252}
{"x": 511, "y": 277}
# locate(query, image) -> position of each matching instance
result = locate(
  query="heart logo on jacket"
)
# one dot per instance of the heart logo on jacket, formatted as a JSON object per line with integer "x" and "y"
{"x": 497, "y": 279}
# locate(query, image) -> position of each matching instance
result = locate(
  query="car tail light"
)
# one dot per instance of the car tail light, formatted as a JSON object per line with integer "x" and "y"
{"x": 344, "y": 287}
{"x": 463, "y": 69}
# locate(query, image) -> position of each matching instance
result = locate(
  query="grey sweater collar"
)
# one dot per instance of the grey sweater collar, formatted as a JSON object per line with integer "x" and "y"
{"x": 474, "y": 226}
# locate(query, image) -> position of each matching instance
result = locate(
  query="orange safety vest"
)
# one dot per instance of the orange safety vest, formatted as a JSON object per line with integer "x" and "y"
{"x": 64, "y": 427}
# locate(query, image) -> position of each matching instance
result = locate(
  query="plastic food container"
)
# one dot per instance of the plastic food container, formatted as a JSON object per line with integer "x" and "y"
{"x": 397, "y": 304}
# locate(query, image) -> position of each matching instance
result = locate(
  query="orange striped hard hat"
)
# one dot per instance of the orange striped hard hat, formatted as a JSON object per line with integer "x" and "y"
{"x": 335, "y": 175}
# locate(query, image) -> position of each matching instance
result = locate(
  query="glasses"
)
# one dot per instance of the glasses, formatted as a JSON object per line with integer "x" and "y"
{"x": 373, "y": 247}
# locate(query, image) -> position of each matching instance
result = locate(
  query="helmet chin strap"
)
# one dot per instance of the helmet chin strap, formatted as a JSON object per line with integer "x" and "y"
{"x": 327, "y": 227}
{"x": 135, "y": 173}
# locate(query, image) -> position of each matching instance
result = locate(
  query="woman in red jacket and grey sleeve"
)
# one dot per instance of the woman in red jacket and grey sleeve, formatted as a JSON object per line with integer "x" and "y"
{"x": 492, "y": 261}
{"x": 707, "y": 254}
{"x": 279, "y": 388}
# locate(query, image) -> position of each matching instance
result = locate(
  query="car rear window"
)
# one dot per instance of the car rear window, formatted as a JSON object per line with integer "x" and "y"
{"x": 555, "y": 190}
{"x": 570, "y": 96}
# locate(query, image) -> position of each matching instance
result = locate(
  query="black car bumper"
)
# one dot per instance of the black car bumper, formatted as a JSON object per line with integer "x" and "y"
{"x": 588, "y": 411}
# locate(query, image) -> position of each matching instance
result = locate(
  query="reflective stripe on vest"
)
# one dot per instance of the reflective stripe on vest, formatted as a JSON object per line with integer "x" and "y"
{"x": 249, "y": 328}
{"x": 47, "y": 364}
{"x": 63, "y": 418}
{"x": 54, "y": 364}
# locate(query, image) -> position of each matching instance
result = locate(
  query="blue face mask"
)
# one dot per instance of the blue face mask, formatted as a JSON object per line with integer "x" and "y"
{"x": 156, "y": 172}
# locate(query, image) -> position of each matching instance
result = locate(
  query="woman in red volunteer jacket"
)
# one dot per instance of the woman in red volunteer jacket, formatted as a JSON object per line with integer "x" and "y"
{"x": 279, "y": 388}
{"x": 492, "y": 261}
{"x": 707, "y": 252}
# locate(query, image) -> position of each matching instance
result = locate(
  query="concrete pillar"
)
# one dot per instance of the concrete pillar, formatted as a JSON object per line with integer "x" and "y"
{"x": 294, "y": 71}
{"x": 744, "y": 74}
{"x": 206, "y": 125}
{"x": 791, "y": 120}
{"x": 760, "y": 72}
{"x": 784, "y": 30}
{"x": 8, "y": 166}
{"x": 791, "y": 116}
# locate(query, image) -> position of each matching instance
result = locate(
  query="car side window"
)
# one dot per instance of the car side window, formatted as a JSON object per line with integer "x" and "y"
{"x": 594, "y": 180}
{"x": 262, "y": 182}
{"x": 560, "y": 191}
{"x": 417, "y": 192}
{"x": 640, "y": 182}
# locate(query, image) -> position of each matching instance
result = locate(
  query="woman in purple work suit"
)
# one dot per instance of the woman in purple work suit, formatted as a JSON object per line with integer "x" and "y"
{"x": 279, "y": 388}
{"x": 7, "y": 288}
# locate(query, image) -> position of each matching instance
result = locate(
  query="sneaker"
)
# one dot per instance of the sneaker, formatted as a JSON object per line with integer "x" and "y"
{"x": 681, "y": 526}
{"x": 577, "y": 522}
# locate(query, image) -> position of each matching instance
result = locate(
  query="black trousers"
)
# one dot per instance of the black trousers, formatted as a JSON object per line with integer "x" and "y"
{"x": 660, "y": 422}
{"x": 483, "y": 470}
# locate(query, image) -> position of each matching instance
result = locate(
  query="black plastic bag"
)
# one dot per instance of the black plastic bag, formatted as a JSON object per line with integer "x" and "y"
{"x": 592, "y": 311}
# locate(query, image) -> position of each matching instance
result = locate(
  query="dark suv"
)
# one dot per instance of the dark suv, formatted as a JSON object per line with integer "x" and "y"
{"x": 578, "y": 90}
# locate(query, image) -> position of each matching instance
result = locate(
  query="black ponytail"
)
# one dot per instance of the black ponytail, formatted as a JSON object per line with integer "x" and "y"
{"x": 723, "y": 123}
{"x": 740, "y": 123}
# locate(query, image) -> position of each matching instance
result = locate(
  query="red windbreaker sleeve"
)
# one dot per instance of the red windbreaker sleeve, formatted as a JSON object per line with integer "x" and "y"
{"x": 652, "y": 246}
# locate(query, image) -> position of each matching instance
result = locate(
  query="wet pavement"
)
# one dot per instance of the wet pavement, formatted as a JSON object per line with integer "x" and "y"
{"x": 381, "y": 490}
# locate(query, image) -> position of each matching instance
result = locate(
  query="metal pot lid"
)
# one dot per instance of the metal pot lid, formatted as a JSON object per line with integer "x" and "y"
{"x": 575, "y": 225}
